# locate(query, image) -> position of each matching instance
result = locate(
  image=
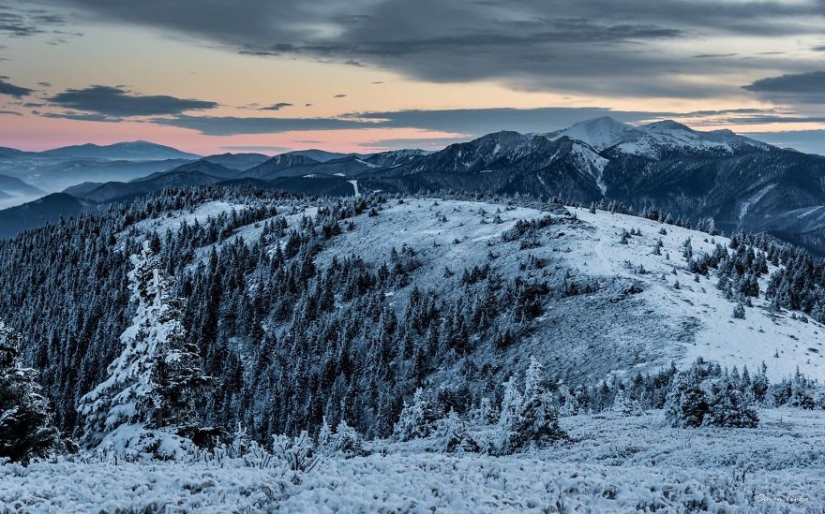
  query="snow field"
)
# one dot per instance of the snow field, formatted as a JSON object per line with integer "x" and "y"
{"x": 611, "y": 464}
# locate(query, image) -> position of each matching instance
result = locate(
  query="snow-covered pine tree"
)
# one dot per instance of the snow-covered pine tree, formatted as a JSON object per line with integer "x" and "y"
{"x": 704, "y": 396}
{"x": 346, "y": 442}
{"x": 25, "y": 421}
{"x": 416, "y": 420}
{"x": 729, "y": 407}
{"x": 532, "y": 421}
{"x": 687, "y": 403}
{"x": 154, "y": 382}
{"x": 454, "y": 437}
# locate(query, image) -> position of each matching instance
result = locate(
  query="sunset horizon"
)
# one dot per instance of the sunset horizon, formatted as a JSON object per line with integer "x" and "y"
{"x": 295, "y": 76}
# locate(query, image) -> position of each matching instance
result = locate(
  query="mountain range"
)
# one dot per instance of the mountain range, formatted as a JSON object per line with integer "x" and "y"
{"x": 741, "y": 183}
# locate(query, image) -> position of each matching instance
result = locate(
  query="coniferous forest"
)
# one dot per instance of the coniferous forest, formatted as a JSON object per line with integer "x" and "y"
{"x": 216, "y": 321}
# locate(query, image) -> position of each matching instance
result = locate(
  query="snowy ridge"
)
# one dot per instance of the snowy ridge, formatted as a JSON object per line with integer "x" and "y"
{"x": 592, "y": 161}
{"x": 653, "y": 139}
{"x": 732, "y": 342}
{"x": 592, "y": 246}
{"x": 599, "y": 133}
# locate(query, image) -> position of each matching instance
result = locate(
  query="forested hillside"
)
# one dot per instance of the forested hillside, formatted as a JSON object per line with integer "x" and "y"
{"x": 304, "y": 309}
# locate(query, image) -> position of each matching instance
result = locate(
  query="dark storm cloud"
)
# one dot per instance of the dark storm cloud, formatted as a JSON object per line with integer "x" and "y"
{"x": 599, "y": 46}
{"x": 117, "y": 102}
{"x": 820, "y": 48}
{"x": 17, "y": 25}
{"x": 808, "y": 88}
{"x": 276, "y": 107}
{"x": 12, "y": 90}
{"x": 10, "y": 113}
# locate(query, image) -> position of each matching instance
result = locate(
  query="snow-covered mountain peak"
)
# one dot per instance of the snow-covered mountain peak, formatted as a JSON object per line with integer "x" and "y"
{"x": 599, "y": 133}
{"x": 666, "y": 126}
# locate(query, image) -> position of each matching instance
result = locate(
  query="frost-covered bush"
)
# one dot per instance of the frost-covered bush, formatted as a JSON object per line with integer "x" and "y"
{"x": 134, "y": 442}
{"x": 299, "y": 453}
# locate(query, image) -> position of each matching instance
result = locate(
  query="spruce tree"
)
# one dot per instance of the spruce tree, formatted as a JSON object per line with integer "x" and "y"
{"x": 156, "y": 380}
{"x": 26, "y": 430}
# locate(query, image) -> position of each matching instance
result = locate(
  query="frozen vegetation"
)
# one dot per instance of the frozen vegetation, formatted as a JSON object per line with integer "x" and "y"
{"x": 612, "y": 463}
{"x": 415, "y": 354}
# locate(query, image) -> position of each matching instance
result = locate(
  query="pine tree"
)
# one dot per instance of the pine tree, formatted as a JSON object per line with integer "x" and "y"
{"x": 416, "y": 420}
{"x": 26, "y": 431}
{"x": 345, "y": 442}
{"x": 454, "y": 437}
{"x": 156, "y": 380}
{"x": 530, "y": 420}
{"x": 739, "y": 311}
{"x": 687, "y": 403}
{"x": 728, "y": 407}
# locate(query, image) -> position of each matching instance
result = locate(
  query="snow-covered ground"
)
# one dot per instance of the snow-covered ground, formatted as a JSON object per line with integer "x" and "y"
{"x": 662, "y": 324}
{"x": 612, "y": 464}
{"x": 732, "y": 342}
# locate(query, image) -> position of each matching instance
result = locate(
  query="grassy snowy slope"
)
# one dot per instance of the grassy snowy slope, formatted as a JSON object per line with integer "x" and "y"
{"x": 732, "y": 342}
{"x": 583, "y": 336}
{"x": 613, "y": 464}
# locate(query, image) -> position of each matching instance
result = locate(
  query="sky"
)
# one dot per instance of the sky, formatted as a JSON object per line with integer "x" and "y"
{"x": 215, "y": 76}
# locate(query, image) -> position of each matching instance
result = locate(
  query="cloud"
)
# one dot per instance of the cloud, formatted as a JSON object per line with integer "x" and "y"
{"x": 18, "y": 22}
{"x": 819, "y": 48}
{"x": 423, "y": 143}
{"x": 806, "y": 88}
{"x": 79, "y": 116}
{"x": 808, "y": 141}
{"x": 340, "y": 96}
{"x": 484, "y": 121}
{"x": 633, "y": 48}
{"x": 117, "y": 102}
{"x": 231, "y": 125}
{"x": 10, "y": 113}
{"x": 456, "y": 121}
{"x": 256, "y": 149}
{"x": 276, "y": 107}
{"x": 12, "y": 90}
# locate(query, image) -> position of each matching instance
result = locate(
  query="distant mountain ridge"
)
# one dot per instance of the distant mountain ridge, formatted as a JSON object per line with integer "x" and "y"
{"x": 741, "y": 183}
{"x": 128, "y": 151}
